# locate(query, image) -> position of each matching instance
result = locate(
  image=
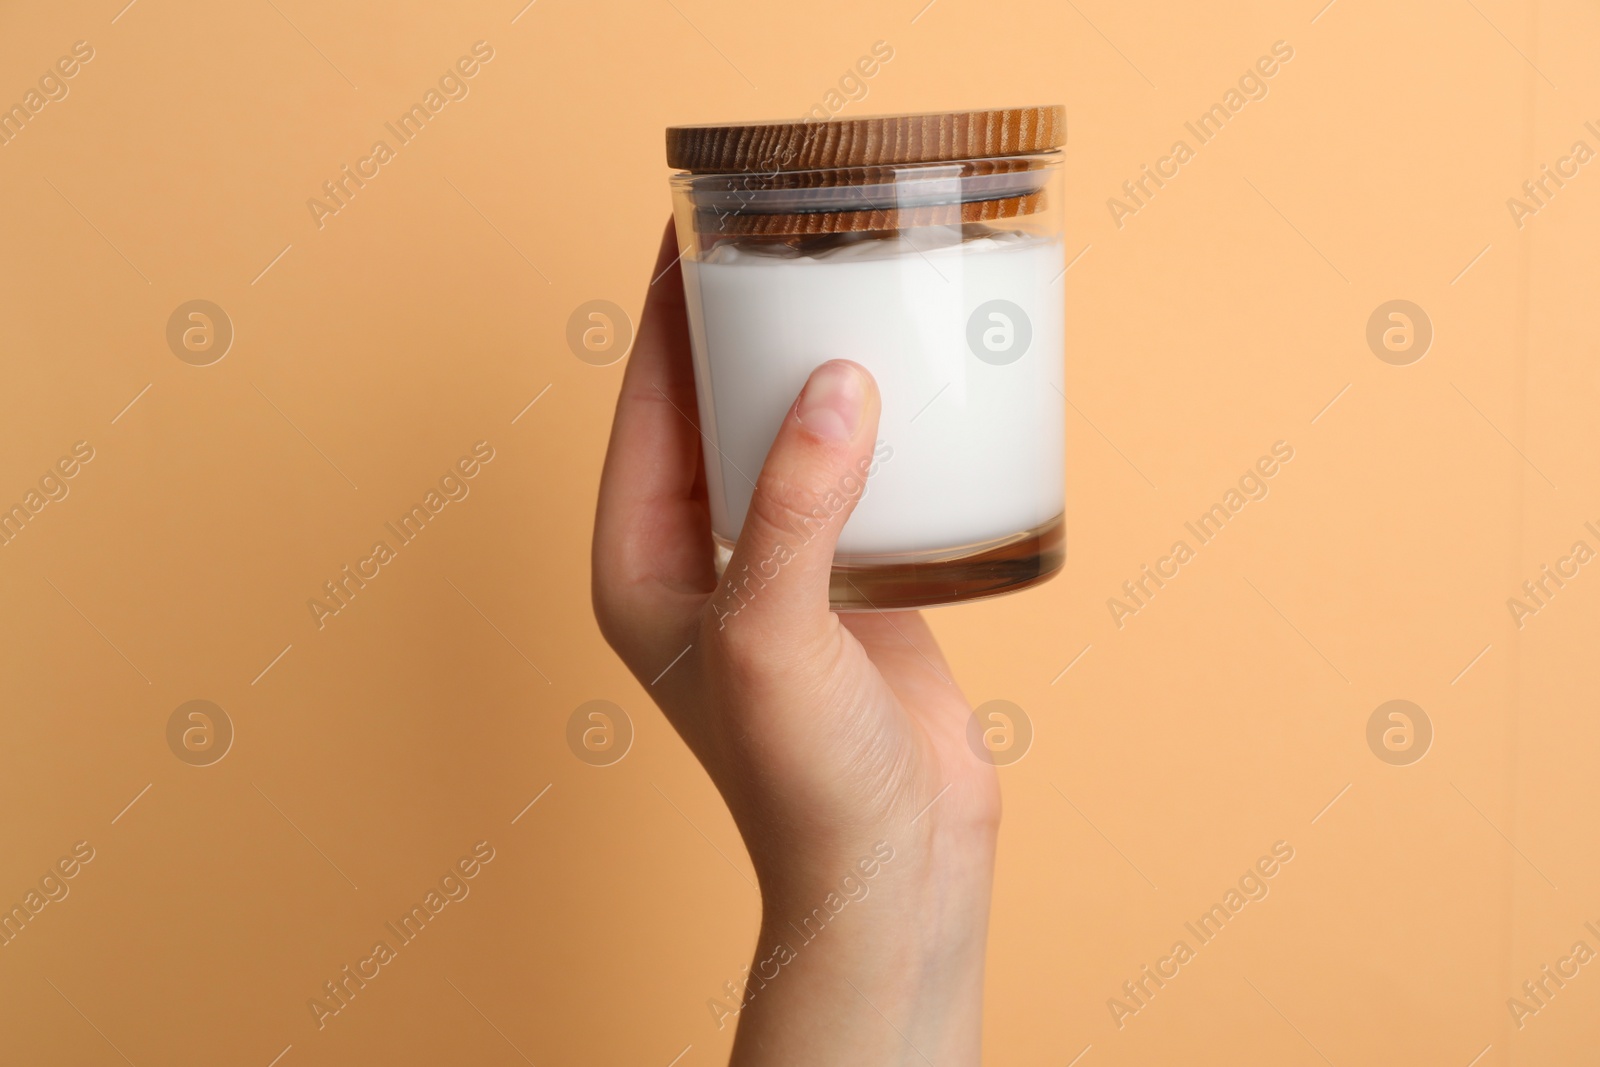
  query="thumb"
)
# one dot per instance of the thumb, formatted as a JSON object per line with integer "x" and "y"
{"x": 776, "y": 583}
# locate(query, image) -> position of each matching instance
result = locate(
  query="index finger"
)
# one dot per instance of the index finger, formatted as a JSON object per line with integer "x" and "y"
{"x": 652, "y": 555}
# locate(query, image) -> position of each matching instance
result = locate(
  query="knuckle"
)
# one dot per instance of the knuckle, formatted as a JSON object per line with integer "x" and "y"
{"x": 611, "y": 613}
{"x": 786, "y": 507}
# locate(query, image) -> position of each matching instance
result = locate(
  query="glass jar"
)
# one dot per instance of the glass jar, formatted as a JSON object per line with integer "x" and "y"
{"x": 929, "y": 249}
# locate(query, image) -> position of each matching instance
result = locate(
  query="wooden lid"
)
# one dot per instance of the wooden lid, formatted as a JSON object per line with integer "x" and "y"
{"x": 877, "y": 220}
{"x": 873, "y": 140}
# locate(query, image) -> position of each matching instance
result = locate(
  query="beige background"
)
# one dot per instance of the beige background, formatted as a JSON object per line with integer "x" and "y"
{"x": 425, "y": 316}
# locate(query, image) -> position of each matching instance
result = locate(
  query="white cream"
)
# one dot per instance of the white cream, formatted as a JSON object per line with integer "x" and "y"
{"x": 977, "y": 449}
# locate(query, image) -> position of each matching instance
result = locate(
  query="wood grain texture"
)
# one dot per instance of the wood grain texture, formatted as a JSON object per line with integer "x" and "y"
{"x": 863, "y": 142}
{"x": 889, "y": 220}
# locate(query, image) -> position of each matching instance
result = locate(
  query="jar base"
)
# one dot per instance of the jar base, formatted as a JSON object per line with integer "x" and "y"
{"x": 974, "y": 572}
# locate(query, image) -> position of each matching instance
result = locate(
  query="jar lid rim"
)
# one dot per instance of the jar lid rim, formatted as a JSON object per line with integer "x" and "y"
{"x": 867, "y": 140}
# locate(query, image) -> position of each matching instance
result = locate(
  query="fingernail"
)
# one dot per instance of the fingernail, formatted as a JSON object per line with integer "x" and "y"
{"x": 830, "y": 406}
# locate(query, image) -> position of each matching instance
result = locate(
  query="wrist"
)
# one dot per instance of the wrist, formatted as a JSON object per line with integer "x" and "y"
{"x": 888, "y": 942}
{"x": 952, "y": 836}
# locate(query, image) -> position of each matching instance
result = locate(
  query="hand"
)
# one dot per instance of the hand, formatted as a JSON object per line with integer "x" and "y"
{"x": 836, "y": 741}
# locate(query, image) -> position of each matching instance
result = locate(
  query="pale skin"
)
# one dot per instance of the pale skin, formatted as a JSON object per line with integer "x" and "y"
{"x": 828, "y": 735}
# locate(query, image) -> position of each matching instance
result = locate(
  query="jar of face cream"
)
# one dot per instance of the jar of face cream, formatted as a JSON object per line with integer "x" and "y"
{"x": 928, "y": 249}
